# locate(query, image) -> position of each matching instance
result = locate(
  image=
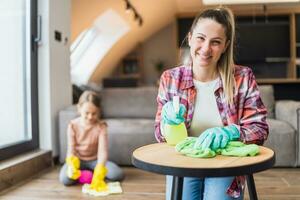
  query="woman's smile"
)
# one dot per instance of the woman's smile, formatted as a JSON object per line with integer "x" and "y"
{"x": 207, "y": 43}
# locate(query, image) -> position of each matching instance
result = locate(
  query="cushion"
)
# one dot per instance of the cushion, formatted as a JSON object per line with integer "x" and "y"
{"x": 286, "y": 110}
{"x": 282, "y": 139}
{"x": 126, "y": 135}
{"x": 129, "y": 102}
{"x": 129, "y": 126}
{"x": 267, "y": 96}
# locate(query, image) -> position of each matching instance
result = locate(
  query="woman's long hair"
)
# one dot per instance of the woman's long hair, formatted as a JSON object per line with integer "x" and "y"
{"x": 225, "y": 65}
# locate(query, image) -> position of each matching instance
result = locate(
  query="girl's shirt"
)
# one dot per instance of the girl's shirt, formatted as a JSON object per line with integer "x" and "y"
{"x": 87, "y": 143}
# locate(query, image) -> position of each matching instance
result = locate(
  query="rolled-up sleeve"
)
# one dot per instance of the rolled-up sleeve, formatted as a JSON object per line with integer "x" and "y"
{"x": 252, "y": 124}
{"x": 161, "y": 100}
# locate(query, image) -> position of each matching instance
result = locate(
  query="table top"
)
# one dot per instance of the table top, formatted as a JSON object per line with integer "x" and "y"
{"x": 163, "y": 159}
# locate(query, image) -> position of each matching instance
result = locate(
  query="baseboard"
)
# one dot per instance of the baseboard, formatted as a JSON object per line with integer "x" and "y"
{"x": 21, "y": 167}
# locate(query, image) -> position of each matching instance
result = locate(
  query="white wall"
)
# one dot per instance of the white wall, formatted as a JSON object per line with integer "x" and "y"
{"x": 160, "y": 46}
{"x": 55, "y": 91}
{"x": 155, "y": 15}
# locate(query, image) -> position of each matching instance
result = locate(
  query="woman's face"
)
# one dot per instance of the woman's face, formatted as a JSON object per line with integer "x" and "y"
{"x": 89, "y": 113}
{"x": 207, "y": 43}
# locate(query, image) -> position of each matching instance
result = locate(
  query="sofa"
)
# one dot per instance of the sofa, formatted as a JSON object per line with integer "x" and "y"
{"x": 283, "y": 120}
{"x": 130, "y": 113}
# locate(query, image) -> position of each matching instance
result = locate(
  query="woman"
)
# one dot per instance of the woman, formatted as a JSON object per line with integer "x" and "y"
{"x": 221, "y": 100}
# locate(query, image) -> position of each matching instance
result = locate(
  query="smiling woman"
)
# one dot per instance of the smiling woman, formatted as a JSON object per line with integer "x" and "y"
{"x": 214, "y": 92}
{"x": 18, "y": 76}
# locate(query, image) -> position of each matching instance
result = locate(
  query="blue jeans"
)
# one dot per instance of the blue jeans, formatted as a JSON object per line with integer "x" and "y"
{"x": 203, "y": 188}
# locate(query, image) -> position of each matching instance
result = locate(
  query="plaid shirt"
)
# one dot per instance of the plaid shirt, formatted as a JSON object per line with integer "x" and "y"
{"x": 247, "y": 111}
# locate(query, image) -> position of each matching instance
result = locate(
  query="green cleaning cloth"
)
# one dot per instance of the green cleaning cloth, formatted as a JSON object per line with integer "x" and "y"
{"x": 113, "y": 188}
{"x": 233, "y": 148}
{"x": 240, "y": 149}
{"x": 186, "y": 147}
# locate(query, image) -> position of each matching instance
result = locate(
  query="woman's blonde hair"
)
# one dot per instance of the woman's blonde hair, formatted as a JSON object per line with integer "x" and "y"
{"x": 225, "y": 65}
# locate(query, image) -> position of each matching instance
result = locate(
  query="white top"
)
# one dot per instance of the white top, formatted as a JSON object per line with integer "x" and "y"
{"x": 206, "y": 113}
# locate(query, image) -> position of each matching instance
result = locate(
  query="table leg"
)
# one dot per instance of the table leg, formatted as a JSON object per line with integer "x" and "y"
{"x": 251, "y": 187}
{"x": 177, "y": 185}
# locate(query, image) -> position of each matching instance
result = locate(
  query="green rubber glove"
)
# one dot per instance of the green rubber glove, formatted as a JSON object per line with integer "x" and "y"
{"x": 169, "y": 115}
{"x": 217, "y": 137}
{"x": 240, "y": 149}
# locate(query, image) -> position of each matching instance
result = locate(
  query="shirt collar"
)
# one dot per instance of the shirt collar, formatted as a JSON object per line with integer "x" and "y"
{"x": 187, "y": 79}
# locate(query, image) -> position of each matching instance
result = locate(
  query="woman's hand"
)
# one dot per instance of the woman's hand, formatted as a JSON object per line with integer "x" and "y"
{"x": 170, "y": 116}
{"x": 217, "y": 137}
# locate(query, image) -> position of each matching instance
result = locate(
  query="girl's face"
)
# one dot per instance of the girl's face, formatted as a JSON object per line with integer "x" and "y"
{"x": 207, "y": 43}
{"x": 89, "y": 113}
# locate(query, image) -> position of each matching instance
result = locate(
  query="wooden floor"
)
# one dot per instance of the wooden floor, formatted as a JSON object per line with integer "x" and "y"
{"x": 274, "y": 184}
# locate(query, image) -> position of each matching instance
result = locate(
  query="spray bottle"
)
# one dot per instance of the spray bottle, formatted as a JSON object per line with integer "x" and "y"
{"x": 175, "y": 133}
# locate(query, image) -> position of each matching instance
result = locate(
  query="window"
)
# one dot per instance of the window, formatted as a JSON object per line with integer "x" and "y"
{"x": 18, "y": 77}
{"x": 91, "y": 45}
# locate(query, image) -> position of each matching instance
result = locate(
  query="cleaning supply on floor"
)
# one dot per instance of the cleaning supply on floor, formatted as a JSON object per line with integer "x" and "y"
{"x": 173, "y": 120}
{"x": 85, "y": 176}
{"x": 113, "y": 188}
{"x": 233, "y": 148}
{"x": 98, "y": 186}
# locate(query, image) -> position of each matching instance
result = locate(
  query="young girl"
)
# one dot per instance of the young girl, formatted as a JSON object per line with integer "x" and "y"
{"x": 222, "y": 101}
{"x": 87, "y": 146}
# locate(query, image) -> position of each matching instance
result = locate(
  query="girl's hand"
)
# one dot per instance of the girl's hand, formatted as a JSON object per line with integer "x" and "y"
{"x": 98, "y": 184}
{"x": 73, "y": 167}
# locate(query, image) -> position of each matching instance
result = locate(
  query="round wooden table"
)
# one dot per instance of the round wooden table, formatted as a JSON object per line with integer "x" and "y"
{"x": 163, "y": 159}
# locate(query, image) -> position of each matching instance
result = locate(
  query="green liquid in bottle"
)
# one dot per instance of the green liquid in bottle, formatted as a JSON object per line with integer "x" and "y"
{"x": 175, "y": 133}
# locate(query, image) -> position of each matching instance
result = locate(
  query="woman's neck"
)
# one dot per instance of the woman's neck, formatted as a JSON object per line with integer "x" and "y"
{"x": 204, "y": 74}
